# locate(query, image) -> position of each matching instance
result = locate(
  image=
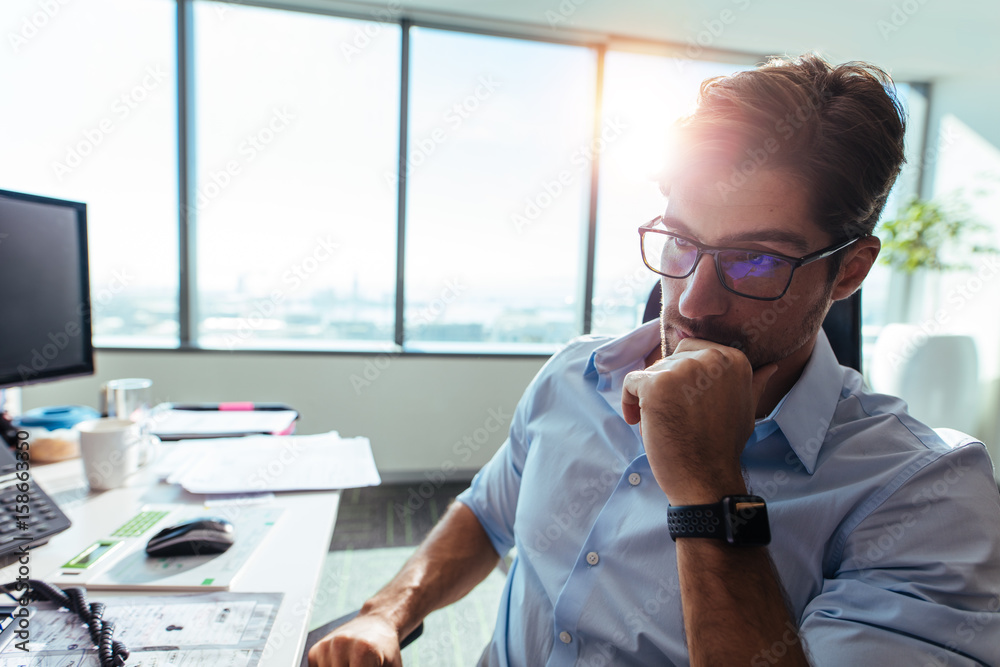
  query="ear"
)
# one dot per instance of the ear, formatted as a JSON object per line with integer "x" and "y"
{"x": 855, "y": 265}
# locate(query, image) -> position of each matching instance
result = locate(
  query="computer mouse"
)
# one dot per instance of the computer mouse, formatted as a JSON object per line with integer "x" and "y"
{"x": 195, "y": 537}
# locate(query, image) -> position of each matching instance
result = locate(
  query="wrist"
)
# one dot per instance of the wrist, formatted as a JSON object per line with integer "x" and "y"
{"x": 704, "y": 494}
{"x": 738, "y": 520}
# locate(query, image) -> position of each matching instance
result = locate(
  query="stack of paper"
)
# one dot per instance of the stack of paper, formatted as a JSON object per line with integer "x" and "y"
{"x": 173, "y": 424}
{"x": 271, "y": 463}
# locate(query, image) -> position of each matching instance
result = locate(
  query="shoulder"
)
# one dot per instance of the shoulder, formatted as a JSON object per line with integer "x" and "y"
{"x": 881, "y": 424}
{"x": 574, "y": 355}
{"x": 908, "y": 465}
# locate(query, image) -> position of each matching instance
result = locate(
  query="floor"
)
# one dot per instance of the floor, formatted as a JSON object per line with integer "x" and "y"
{"x": 377, "y": 529}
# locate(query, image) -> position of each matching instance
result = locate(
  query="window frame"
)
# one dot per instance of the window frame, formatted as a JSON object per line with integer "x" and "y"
{"x": 392, "y": 13}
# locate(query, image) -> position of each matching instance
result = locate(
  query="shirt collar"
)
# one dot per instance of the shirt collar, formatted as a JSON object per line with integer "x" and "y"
{"x": 803, "y": 415}
{"x": 613, "y": 360}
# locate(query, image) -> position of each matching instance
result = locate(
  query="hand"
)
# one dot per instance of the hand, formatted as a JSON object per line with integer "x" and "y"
{"x": 364, "y": 641}
{"x": 695, "y": 411}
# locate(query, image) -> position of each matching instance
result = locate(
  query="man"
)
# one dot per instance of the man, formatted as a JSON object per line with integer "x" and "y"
{"x": 642, "y": 475}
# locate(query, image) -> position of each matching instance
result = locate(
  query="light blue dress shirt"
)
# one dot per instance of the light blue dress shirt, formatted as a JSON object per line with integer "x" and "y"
{"x": 885, "y": 537}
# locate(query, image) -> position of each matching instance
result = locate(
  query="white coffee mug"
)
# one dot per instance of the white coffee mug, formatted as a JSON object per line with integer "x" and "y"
{"x": 112, "y": 449}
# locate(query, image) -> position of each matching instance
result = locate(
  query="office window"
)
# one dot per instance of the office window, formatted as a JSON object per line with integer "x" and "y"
{"x": 882, "y": 294}
{"x": 90, "y": 115}
{"x": 643, "y": 96}
{"x": 296, "y": 136}
{"x": 498, "y": 176}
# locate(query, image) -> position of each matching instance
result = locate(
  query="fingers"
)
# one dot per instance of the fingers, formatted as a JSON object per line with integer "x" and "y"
{"x": 631, "y": 388}
{"x": 362, "y": 642}
{"x": 758, "y": 384}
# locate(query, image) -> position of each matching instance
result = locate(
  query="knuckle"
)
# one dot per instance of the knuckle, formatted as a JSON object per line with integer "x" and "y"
{"x": 716, "y": 356}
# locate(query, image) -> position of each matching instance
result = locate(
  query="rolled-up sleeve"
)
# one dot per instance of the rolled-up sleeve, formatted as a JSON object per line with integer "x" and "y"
{"x": 918, "y": 581}
{"x": 492, "y": 495}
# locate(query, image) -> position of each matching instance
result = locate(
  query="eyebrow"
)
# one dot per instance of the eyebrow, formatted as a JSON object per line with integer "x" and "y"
{"x": 797, "y": 241}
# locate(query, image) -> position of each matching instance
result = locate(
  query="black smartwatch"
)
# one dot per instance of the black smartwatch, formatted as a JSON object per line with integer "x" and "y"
{"x": 739, "y": 520}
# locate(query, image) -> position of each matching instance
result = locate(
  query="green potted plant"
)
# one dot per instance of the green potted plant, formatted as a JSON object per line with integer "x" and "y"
{"x": 935, "y": 373}
{"x": 915, "y": 239}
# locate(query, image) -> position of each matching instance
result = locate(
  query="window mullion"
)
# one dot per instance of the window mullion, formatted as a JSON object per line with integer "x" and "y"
{"x": 595, "y": 172}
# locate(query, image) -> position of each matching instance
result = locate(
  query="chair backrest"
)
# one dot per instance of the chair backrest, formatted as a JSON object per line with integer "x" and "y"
{"x": 842, "y": 325}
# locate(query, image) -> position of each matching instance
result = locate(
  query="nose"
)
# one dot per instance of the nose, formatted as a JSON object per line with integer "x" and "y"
{"x": 703, "y": 294}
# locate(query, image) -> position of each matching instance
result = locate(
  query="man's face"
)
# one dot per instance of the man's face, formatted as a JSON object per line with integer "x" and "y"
{"x": 768, "y": 213}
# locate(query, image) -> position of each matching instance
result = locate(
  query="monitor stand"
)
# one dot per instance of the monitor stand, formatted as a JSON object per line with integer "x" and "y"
{"x": 9, "y": 401}
{"x": 8, "y": 432}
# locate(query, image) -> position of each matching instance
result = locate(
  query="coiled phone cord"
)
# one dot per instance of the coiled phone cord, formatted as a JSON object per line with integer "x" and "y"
{"x": 111, "y": 653}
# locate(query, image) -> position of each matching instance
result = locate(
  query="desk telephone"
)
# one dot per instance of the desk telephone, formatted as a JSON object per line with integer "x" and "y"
{"x": 27, "y": 515}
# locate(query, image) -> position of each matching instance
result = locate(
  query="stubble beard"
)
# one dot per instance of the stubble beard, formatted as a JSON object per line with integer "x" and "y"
{"x": 759, "y": 347}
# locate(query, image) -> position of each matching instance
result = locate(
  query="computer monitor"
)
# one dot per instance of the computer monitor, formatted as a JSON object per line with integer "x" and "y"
{"x": 45, "y": 331}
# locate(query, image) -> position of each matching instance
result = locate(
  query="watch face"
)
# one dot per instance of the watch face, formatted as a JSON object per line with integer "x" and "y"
{"x": 748, "y": 522}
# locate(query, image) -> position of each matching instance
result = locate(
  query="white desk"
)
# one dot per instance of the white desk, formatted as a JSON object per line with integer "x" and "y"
{"x": 289, "y": 561}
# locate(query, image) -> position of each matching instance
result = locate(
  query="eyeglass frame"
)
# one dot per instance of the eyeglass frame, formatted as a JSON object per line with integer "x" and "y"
{"x": 705, "y": 249}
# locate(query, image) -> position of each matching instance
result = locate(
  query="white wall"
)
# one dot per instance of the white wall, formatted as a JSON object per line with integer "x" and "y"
{"x": 423, "y": 414}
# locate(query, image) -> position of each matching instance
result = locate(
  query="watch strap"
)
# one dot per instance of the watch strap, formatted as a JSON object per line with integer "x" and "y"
{"x": 696, "y": 521}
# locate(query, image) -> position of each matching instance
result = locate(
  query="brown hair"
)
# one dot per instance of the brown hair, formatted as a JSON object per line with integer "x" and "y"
{"x": 839, "y": 130}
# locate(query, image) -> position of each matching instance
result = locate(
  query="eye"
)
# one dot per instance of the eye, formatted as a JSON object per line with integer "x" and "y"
{"x": 682, "y": 242}
{"x": 760, "y": 261}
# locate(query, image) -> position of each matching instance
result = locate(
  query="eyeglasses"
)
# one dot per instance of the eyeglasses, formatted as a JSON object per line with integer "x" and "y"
{"x": 755, "y": 275}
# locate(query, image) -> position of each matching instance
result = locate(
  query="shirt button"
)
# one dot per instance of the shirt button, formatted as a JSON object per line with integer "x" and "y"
{"x": 565, "y": 637}
{"x": 593, "y": 558}
{"x": 634, "y": 479}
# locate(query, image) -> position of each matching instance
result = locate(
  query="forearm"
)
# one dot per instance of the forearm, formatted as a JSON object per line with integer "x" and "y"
{"x": 455, "y": 557}
{"x": 734, "y": 609}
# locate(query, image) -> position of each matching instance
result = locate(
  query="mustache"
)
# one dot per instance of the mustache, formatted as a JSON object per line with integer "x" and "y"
{"x": 708, "y": 330}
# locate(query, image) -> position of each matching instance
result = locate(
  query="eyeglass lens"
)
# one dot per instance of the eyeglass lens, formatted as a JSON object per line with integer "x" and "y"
{"x": 744, "y": 271}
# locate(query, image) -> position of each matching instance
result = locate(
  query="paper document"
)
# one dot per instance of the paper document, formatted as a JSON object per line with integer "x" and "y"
{"x": 176, "y": 424}
{"x": 273, "y": 463}
{"x": 205, "y": 630}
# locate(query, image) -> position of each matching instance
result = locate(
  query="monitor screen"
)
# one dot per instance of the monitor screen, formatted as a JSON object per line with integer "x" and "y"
{"x": 45, "y": 329}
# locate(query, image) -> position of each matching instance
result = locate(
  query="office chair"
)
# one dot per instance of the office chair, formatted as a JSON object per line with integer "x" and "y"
{"x": 842, "y": 325}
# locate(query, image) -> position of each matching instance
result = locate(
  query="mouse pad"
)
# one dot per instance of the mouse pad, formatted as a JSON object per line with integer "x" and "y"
{"x": 131, "y": 568}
